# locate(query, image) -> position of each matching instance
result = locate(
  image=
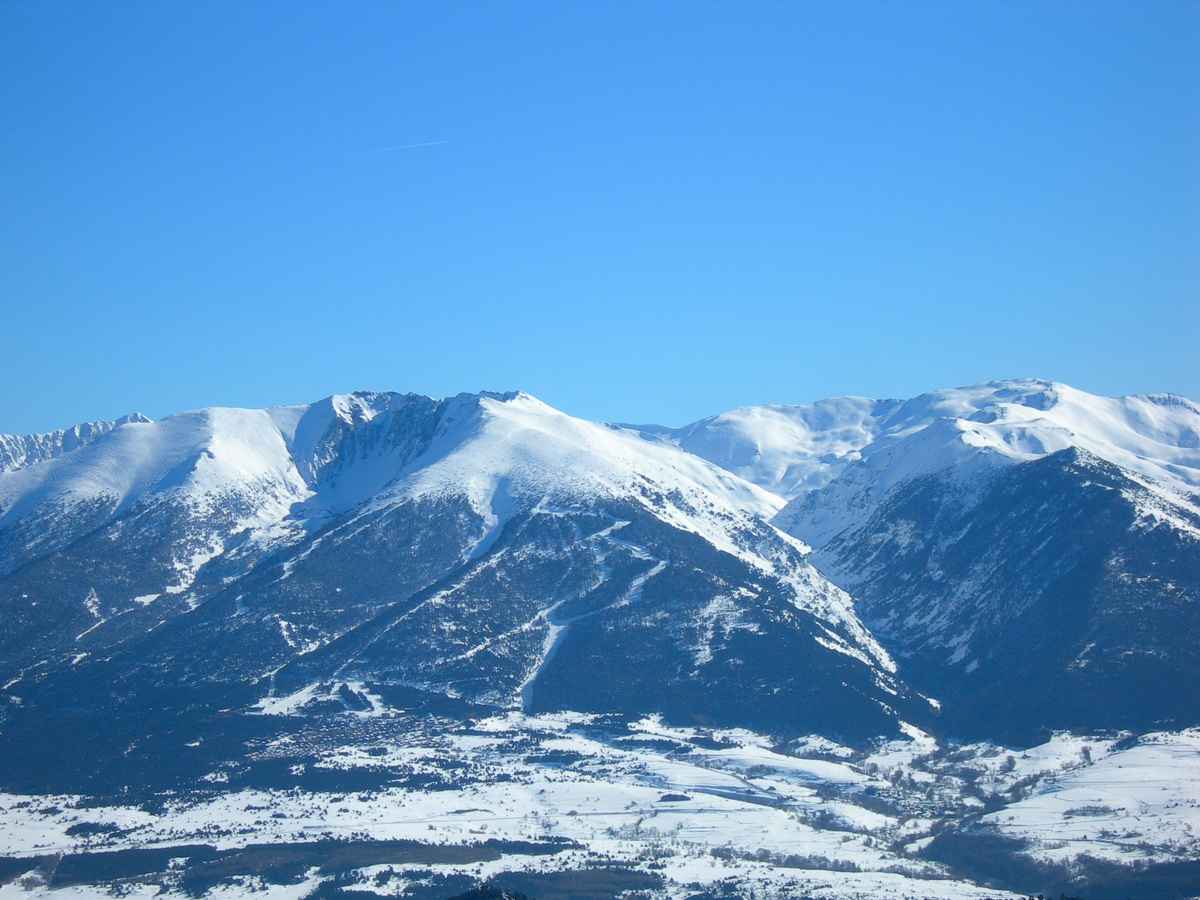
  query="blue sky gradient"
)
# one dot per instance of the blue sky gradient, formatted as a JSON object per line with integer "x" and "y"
{"x": 643, "y": 212}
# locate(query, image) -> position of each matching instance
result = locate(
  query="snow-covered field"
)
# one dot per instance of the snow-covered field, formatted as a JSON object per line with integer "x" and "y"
{"x": 687, "y": 808}
{"x": 1138, "y": 803}
{"x": 725, "y": 810}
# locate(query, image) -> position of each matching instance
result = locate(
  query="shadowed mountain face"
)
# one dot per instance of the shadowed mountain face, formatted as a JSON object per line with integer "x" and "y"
{"x": 484, "y": 549}
{"x": 1030, "y": 552}
{"x": 1061, "y": 593}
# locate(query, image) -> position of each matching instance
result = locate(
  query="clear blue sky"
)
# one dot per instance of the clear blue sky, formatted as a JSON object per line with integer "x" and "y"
{"x": 643, "y": 212}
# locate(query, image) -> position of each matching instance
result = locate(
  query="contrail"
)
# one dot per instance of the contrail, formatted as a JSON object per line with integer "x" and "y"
{"x": 413, "y": 146}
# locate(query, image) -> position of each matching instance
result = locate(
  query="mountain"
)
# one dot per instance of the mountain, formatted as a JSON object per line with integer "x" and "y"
{"x": 792, "y": 450}
{"x": 971, "y": 431}
{"x": 485, "y": 548}
{"x": 399, "y": 646}
{"x": 20, "y": 450}
{"x": 788, "y": 450}
{"x": 1029, "y": 551}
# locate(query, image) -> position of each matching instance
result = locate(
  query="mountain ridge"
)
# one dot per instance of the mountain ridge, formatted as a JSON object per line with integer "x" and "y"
{"x": 277, "y": 501}
{"x": 482, "y": 616}
{"x": 20, "y": 450}
{"x": 483, "y": 546}
{"x": 786, "y": 448}
{"x": 954, "y": 526}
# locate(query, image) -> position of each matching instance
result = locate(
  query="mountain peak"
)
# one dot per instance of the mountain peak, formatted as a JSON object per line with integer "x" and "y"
{"x": 20, "y": 450}
{"x": 793, "y": 450}
{"x": 528, "y": 521}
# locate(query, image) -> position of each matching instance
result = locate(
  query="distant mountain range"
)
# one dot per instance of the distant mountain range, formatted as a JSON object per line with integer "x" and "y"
{"x": 386, "y": 645}
{"x": 991, "y": 561}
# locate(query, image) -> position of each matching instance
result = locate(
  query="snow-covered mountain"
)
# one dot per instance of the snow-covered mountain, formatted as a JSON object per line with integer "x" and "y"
{"x": 1007, "y": 535}
{"x": 20, "y": 450}
{"x": 974, "y": 430}
{"x": 789, "y": 450}
{"x": 383, "y": 642}
{"x": 485, "y": 547}
{"x": 792, "y": 450}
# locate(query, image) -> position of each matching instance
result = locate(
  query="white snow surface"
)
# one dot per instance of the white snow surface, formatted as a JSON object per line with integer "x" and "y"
{"x": 792, "y": 450}
{"x": 789, "y": 450}
{"x": 20, "y": 450}
{"x": 771, "y": 823}
{"x": 970, "y": 432}
{"x": 492, "y": 448}
{"x": 1157, "y": 436}
{"x": 499, "y": 448}
{"x": 1137, "y": 803}
{"x": 514, "y": 447}
{"x": 198, "y": 455}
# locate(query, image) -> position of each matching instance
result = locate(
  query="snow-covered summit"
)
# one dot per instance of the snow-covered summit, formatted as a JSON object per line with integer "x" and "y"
{"x": 1021, "y": 533}
{"x": 499, "y": 450}
{"x": 1157, "y": 436}
{"x": 792, "y": 450}
{"x": 20, "y": 450}
{"x": 787, "y": 449}
{"x": 197, "y": 454}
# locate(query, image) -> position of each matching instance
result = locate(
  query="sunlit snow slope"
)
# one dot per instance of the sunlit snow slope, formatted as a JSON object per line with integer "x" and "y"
{"x": 20, "y": 450}
{"x": 789, "y": 450}
{"x": 792, "y": 450}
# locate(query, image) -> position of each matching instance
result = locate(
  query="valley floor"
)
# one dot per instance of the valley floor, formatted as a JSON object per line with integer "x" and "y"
{"x": 375, "y": 802}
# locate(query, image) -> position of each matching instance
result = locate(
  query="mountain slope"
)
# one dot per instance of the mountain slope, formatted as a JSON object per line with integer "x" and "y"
{"x": 1029, "y": 551}
{"x": 485, "y": 547}
{"x": 788, "y": 450}
{"x": 1061, "y": 594}
{"x": 973, "y": 431}
{"x": 794, "y": 450}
